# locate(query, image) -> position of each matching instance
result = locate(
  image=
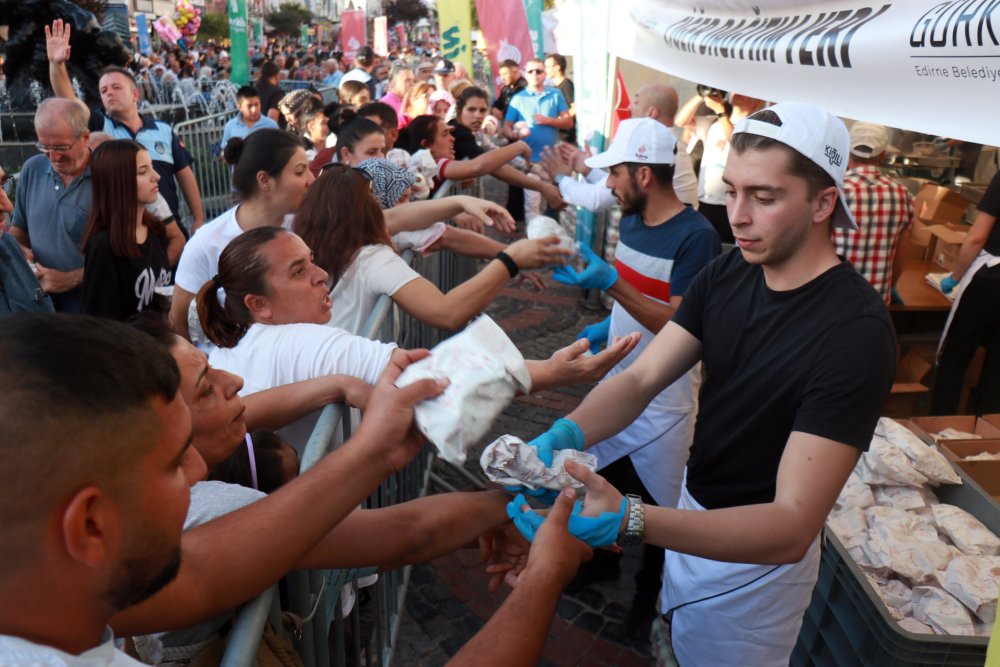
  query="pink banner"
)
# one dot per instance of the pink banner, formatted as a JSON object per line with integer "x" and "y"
{"x": 380, "y": 36}
{"x": 401, "y": 33}
{"x": 505, "y": 29}
{"x": 353, "y": 34}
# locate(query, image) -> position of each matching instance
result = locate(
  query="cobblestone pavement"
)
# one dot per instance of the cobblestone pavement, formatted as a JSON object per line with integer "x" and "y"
{"x": 448, "y": 601}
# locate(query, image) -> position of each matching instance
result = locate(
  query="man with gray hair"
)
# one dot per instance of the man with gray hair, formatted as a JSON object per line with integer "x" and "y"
{"x": 401, "y": 79}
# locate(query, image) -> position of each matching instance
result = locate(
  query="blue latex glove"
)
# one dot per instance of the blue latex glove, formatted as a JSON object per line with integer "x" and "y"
{"x": 596, "y": 333}
{"x": 596, "y": 531}
{"x": 544, "y": 496}
{"x": 597, "y": 275}
{"x": 564, "y": 434}
{"x": 947, "y": 284}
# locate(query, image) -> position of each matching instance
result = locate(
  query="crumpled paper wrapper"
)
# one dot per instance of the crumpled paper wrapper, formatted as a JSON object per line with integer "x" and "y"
{"x": 973, "y": 582}
{"x": 941, "y": 611}
{"x": 966, "y": 531}
{"x": 509, "y": 461}
{"x": 927, "y": 460}
{"x": 485, "y": 370}
{"x": 541, "y": 226}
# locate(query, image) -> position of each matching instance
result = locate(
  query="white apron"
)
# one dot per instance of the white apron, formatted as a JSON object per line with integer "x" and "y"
{"x": 983, "y": 259}
{"x": 754, "y": 625}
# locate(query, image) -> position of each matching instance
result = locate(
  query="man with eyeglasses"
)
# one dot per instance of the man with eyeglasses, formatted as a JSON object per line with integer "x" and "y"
{"x": 542, "y": 109}
{"x": 53, "y": 201}
{"x": 121, "y": 119}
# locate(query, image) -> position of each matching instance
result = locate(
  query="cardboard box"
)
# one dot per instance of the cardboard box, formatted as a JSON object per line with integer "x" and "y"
{"x": 903, "y": 399}
{"x": 938, "y": 204}
{"x": 925, "y": 426}
{"x": 956, "y": 450}
{"x": 946, "y": 242}
{"x": 993, "y": 420}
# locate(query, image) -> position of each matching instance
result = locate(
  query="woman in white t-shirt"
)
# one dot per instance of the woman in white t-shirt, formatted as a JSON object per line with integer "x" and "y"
{"x": 271, "y": 174}
{"x": 271, "y": 328}
{"x": 342, "y": 222}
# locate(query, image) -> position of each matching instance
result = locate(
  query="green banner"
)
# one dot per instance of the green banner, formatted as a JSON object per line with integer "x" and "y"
{"x": 304, "y": 35}
{"x": 239, "y": 49}
{"x": 533, "y": 10}
{"x": 258, "y": 32}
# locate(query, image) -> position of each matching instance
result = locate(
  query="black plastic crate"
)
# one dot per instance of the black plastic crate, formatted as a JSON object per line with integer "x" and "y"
{"x": 847, "y": 624}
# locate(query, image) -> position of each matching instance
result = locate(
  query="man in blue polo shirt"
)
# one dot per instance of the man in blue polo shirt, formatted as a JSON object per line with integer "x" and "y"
{"x": 249, "y": 118}
{"x": 120, "y": 118}
{"x": 543, "y": 110}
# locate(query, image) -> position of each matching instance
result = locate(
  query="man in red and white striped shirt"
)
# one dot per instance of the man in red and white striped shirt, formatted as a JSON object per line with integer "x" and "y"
{"x": 882, "y": 207}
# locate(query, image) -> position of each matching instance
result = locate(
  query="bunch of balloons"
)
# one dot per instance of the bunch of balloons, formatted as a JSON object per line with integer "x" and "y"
{"x": 167, "y": 30}
{"x": 187, "y": 18}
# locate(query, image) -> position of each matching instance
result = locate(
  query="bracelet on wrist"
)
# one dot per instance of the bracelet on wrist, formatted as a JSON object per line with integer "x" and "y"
{"x": 509, "y": 262}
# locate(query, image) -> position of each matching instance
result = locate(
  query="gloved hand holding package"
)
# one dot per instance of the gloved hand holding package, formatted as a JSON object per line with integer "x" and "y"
{"x": 541, "y": 226}
{"x": 485, "y": 370}
{"x": 509, "y": 461}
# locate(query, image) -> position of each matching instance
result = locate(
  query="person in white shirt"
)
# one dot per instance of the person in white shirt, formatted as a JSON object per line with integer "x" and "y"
{"x": 654, "y": 100}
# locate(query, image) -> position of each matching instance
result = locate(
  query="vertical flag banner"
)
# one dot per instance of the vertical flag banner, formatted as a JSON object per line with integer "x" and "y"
{"x": 455, "y": 25}
{"x": 505, "y": 29}
{"x": 353, "y": 34}
{"x": 258, "y": 32}
{"x": 380, "y": 36}
{"x": 239, "y": 51}
{"x": 401, "y": 33}
{"x": 533, "y": 12}
{"x": 142, "y": 34}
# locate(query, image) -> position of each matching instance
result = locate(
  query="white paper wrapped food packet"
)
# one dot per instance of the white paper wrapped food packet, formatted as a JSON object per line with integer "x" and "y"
{"x": 941, "y": 611}
{"x": 541, "y": 226}
{"x": 973, "y": 582}
{"x": 966, "y": 531}
{"x": 485, "y": 370}
{"x": 927, "y": 460}
{"x": 509, "y": 460}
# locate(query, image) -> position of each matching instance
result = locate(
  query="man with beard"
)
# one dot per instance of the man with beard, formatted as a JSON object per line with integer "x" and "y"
{"x": 96, "y": 490}
{"x": 664, "y": 244}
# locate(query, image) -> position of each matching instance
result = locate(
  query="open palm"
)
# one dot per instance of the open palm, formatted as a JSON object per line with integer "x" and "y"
{"x": 57, "y": 46}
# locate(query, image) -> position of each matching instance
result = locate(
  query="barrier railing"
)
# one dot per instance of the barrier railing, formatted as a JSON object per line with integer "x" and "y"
{"x": 314, "y": 596}
{"x": 203, "y": 139}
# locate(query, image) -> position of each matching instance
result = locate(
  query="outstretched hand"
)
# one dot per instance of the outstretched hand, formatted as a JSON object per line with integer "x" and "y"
{"x": 57, "y": 46}
{"x": 570, "y": 366}
{"x": 555, "y": 553}
{"x": 598, "y": 274}
{"x": 489, "y": 213}
{"x": 505, "y": 551}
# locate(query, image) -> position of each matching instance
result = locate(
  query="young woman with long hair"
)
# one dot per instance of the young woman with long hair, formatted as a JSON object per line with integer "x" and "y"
{"x": 271, "y": 175}
{"x": 125, "y": 246}
{"x": 341, "y": 220}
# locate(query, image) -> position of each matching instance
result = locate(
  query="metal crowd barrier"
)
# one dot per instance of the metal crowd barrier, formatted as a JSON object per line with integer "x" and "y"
{"x": 327, "y": 637}
{"x": 203, "y": 139}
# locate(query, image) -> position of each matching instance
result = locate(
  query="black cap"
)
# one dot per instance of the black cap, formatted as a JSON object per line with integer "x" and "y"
{"x": 444, "y": 66}
{"x": 365, "y": 53}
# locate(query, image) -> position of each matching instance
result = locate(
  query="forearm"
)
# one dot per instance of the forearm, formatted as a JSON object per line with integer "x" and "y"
{"x": 416, "y": 215}
{"x": 563, "y": 122}
{"x": 685, "y": 117}
{"x": 486, "y": 163}
{"x": 591, "y": 196}
{"x": 210, "y": 580}
{"x": 512, "y": 176}
{"x": 515, "y": 634}
{"x": 278, "y": 407}
{"x": 189, "y": 186}
{"x": 175, "y": 243}
{"x": 450, "y": 311}
{"x": 469, "y": 244}
{"x": 178, "y": 317}
{"x": 649, "y": 313}
{"x": 408, "y": 533}
{"x": 768, "y": 534}
{"x": 61, "y": 84}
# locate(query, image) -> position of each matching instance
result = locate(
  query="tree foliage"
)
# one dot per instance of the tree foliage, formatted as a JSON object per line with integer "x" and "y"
{"x": 214, "y": 26}
{"x": 407, "y": 11}
{"x": 289, "y": 18}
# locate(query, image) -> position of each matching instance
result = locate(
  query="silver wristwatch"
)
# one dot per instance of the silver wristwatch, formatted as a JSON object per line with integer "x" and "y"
{"x": 635, "y": 528}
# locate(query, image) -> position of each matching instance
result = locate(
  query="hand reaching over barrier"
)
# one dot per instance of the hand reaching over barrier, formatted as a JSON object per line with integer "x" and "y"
{"x": 538, "y": 253}
{"x": 569, "y": 365}
{"x": 488, "y": 213}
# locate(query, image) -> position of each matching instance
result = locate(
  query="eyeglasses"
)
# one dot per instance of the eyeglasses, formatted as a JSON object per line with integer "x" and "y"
{"x": 536, "y": 71}
{"x": 57, "y": 149}
{"x": 7, "y": 182}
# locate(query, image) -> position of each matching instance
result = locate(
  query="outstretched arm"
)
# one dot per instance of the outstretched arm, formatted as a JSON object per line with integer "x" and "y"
{"x": 57, "y": 49}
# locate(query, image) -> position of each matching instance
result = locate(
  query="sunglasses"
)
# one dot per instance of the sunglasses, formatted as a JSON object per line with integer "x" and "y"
{"x": 536, "y": 71}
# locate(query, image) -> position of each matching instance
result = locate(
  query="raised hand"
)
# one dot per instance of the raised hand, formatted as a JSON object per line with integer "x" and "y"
{"x": 57, "y": 46}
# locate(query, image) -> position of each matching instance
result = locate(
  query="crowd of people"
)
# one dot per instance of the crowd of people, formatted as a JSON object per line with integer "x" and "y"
{"x": 745, "y": 361}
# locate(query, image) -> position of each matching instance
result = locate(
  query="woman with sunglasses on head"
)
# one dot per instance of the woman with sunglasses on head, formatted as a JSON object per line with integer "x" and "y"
{"x": 342, "y": 222}
{"x": 271, "y": 175}
{"x": 125, "y": 256}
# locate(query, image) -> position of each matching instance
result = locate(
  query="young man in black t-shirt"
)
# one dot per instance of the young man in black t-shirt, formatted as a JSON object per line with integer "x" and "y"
{"x": 799, "y": 355}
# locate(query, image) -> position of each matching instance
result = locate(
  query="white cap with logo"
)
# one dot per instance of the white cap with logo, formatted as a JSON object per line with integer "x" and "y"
{"x": 818, "y": 135}
{"x": 639, "y": 140}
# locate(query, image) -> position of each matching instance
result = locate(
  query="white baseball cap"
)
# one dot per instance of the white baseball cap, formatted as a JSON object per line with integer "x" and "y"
{"x": 818, "y": 135}
{"x": 640, "y": 140}
{"x": 868, "y": 139}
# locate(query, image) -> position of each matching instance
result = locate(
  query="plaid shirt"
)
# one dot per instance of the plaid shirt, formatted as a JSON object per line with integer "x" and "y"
{"x": 883, "y": 209}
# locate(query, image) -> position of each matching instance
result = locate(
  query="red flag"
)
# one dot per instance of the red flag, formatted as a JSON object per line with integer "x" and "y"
{"x": 353, "y": 34}
{"x": 623, "y": 108}
{"x": 505, "y": 29}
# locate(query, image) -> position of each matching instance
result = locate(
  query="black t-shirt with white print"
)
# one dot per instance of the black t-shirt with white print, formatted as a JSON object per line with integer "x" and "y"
{"x": 119, "y": 287}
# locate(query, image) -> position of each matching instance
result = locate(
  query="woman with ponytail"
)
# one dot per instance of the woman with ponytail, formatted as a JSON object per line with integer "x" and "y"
{"x": 271, "y": 176}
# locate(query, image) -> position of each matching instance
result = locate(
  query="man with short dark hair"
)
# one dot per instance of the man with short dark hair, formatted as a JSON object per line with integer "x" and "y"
{"x": 365, "y": 62}
{"x": 799, "y": 354}
{"x": 555, "y": 72}
{"x": 510, "y": 74}
{"x": 121, "y": 119}
{"x": 249, "y": 117}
